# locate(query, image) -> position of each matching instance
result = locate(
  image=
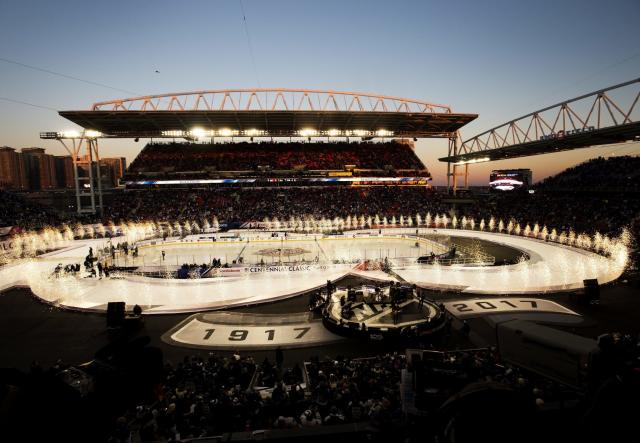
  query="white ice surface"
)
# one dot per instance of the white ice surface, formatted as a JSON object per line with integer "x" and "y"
{"x": 551, "y": 268}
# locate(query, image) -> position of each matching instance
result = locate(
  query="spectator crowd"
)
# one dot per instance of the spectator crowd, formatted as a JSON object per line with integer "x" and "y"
{"x": 599, "y": 195}
{"x": 15, "y": 210}
{"x": 209, "y": 396}
{"x": 215, "y": 395}
{"x": 245, "y": 156}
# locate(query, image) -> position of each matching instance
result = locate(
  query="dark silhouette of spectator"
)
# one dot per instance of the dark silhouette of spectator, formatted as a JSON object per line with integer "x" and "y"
{"x": 279, "y": 357}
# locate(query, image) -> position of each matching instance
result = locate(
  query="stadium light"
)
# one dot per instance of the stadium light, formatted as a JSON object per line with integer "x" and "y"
{"x": 384, "y": 133}
{"x": 72, "y": 133}
{"x": 253, "y": 132}
{"x": 90, "y": 133}
{"x": 333, "y": 132}
{"x": 360, "y": 132}
{"x": 226, "y": 132}
{"x": 199, "y": 132}
{"x": 308, "y": 132}
{"x": 173, "y": 133}
{"x": 473, "y": 160}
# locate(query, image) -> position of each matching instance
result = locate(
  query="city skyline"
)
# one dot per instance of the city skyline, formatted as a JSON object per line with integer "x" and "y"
{"x": 418, "y": 50}
{"x": 35, "y": 169}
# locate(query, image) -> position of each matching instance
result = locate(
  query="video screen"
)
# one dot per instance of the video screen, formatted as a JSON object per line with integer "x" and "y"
{"x": 510, "y": 180}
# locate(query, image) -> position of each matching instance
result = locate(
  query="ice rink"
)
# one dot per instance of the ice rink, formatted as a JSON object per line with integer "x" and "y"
{"x": 312, "y": 248}
{"x": 551, "y": 267}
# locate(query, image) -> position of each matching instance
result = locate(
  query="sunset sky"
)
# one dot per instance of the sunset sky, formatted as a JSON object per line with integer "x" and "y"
{"x": 500, "y": 59}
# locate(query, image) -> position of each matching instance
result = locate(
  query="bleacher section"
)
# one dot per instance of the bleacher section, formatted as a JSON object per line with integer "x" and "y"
{"x": 574, "y": 199}
{"x": 620, "y": 174}
{"x": 254, "y": 204}
{"x": 15, "y": 210}
{"x": 199, "y": 160}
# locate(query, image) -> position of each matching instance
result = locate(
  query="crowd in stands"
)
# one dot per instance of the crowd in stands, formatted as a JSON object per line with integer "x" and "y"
{"x": 199, "y": 396}
{"x": 15, "y": 210}
{"x": 600, "y": 174}
{"x": 244, "y": 156}
{"x": 595, "y": 196}
{"x": 215, "y": 395}
{"x": 269, "y": 374}
{"x": 357, "y": 389}
{"x": 441, "y": 374}
{"x": 254, "y": 204}
{"x": 582, "y": 212}
{"x": 585, "y": 212}
{"x": 210, "y": 396}
{"x": 173, "y": 205}
{"x": 598, "y": 195}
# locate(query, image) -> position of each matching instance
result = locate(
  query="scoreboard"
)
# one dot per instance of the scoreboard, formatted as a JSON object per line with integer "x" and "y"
{"x": 510, "y": 179}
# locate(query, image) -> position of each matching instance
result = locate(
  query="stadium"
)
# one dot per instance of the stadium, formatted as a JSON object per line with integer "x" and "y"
{"x": 354, "y": 224}
{"x": 249, "y": 206}
{"x": 257, "y": 263}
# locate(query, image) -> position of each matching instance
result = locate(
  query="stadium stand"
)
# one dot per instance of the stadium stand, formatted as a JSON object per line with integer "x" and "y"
{"x": 254, "y": 204}
{"x": 619, "y": 174}
{"x": 212, "y": 396}
{"x": 395, "y": 395}
{"x": 15, "y": 210}
{"x": 180, "y": 159}
{"x": 581, "y": 211}
{"x": 598, "y": 195}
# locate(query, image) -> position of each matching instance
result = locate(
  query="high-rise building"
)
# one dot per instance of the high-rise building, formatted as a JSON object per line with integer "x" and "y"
{"x": 41, "y": 168}
{"x": 64, "y": 171}
{"x": 33, "y": 169}
{"x": 12, "y": 173}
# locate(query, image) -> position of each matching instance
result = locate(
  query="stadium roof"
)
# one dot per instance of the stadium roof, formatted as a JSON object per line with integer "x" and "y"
{"x": 269, "y": 112}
